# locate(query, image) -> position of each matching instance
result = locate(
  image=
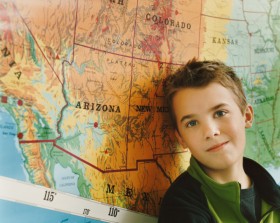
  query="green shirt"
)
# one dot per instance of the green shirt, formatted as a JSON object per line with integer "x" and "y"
{"x": 195, "y": 198}
{"x": 224, "y": 199}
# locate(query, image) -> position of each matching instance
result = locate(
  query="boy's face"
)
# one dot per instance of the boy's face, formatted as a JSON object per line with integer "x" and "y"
{"x": 211, "y": 125}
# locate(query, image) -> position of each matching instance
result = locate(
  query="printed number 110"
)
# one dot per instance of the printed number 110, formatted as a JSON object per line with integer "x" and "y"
{"x": 113, "y": 212}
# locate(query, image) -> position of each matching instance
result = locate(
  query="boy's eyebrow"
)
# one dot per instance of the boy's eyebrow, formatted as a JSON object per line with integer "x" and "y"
{"x": 186, "y": 117}
{"x": 218, "y": 106}
{"x": 211, "y": 109}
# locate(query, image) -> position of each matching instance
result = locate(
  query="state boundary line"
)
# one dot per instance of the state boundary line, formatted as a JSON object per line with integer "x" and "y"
{"x": 53, "y": 141}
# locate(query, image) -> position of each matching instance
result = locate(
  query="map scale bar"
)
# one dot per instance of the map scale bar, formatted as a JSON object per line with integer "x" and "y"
{"x": 39, "y": 196}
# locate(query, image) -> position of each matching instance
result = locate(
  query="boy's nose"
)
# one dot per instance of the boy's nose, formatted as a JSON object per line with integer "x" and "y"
{"x": 211, "y": 130}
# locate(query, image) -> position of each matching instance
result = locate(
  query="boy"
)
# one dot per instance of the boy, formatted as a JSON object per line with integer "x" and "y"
{"x": 209, "y": 111}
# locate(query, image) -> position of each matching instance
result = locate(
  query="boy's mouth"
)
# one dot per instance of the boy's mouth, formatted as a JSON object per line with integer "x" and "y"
{"x": 217, "y": 147}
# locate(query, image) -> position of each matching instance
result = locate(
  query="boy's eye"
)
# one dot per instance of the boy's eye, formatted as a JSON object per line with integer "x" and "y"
{"x": 191, "y": 124}
{"x": 220, "y": 113}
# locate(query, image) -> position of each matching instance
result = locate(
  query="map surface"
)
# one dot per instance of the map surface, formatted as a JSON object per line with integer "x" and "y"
{"x": 81, "y": 102}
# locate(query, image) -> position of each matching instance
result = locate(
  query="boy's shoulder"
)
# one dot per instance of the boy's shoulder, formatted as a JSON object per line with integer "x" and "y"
{"x": 184, "y": 201}
{"x": 265, "y": 183}
{"x": 184, "y": 191}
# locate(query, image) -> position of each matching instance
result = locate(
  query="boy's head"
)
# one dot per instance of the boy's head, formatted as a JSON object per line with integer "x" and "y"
{"x": 210, "y": 113}
{"x": 197, "y": 74}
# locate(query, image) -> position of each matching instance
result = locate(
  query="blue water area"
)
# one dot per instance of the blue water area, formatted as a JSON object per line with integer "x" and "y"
{"x": 13, "y": 212}
{"x": 11, "y": 159}
{"x": 66, "y": 180}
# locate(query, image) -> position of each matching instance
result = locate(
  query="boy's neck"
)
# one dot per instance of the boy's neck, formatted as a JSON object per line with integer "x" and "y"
{"x": 235, "y": 173}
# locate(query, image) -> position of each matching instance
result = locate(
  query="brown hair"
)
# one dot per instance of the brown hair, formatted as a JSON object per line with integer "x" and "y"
{"x": 199, "y": 74}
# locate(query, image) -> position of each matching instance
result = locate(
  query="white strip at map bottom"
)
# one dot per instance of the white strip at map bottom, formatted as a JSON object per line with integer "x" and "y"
{"x": 40, "y": 196}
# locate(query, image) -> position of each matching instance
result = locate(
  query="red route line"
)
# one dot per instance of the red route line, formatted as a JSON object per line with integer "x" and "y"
{"x": 36, "y": 141}
{"x": 79, "y": 158}
{"x": 106, "y": 171}
{"x": 88, "y": 163}
{"x": 36, "y": 43}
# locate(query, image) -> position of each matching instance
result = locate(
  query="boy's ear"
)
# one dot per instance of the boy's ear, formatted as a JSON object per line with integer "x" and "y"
{"x": 249, "y": 116}
{"x": 180, "y": 140}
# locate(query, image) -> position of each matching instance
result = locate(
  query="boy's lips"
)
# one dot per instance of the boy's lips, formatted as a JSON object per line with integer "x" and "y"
{"x": 217, "y": 147}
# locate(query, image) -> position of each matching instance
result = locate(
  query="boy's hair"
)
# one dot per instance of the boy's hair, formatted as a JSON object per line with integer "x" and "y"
{"x": 197, "y": 74}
